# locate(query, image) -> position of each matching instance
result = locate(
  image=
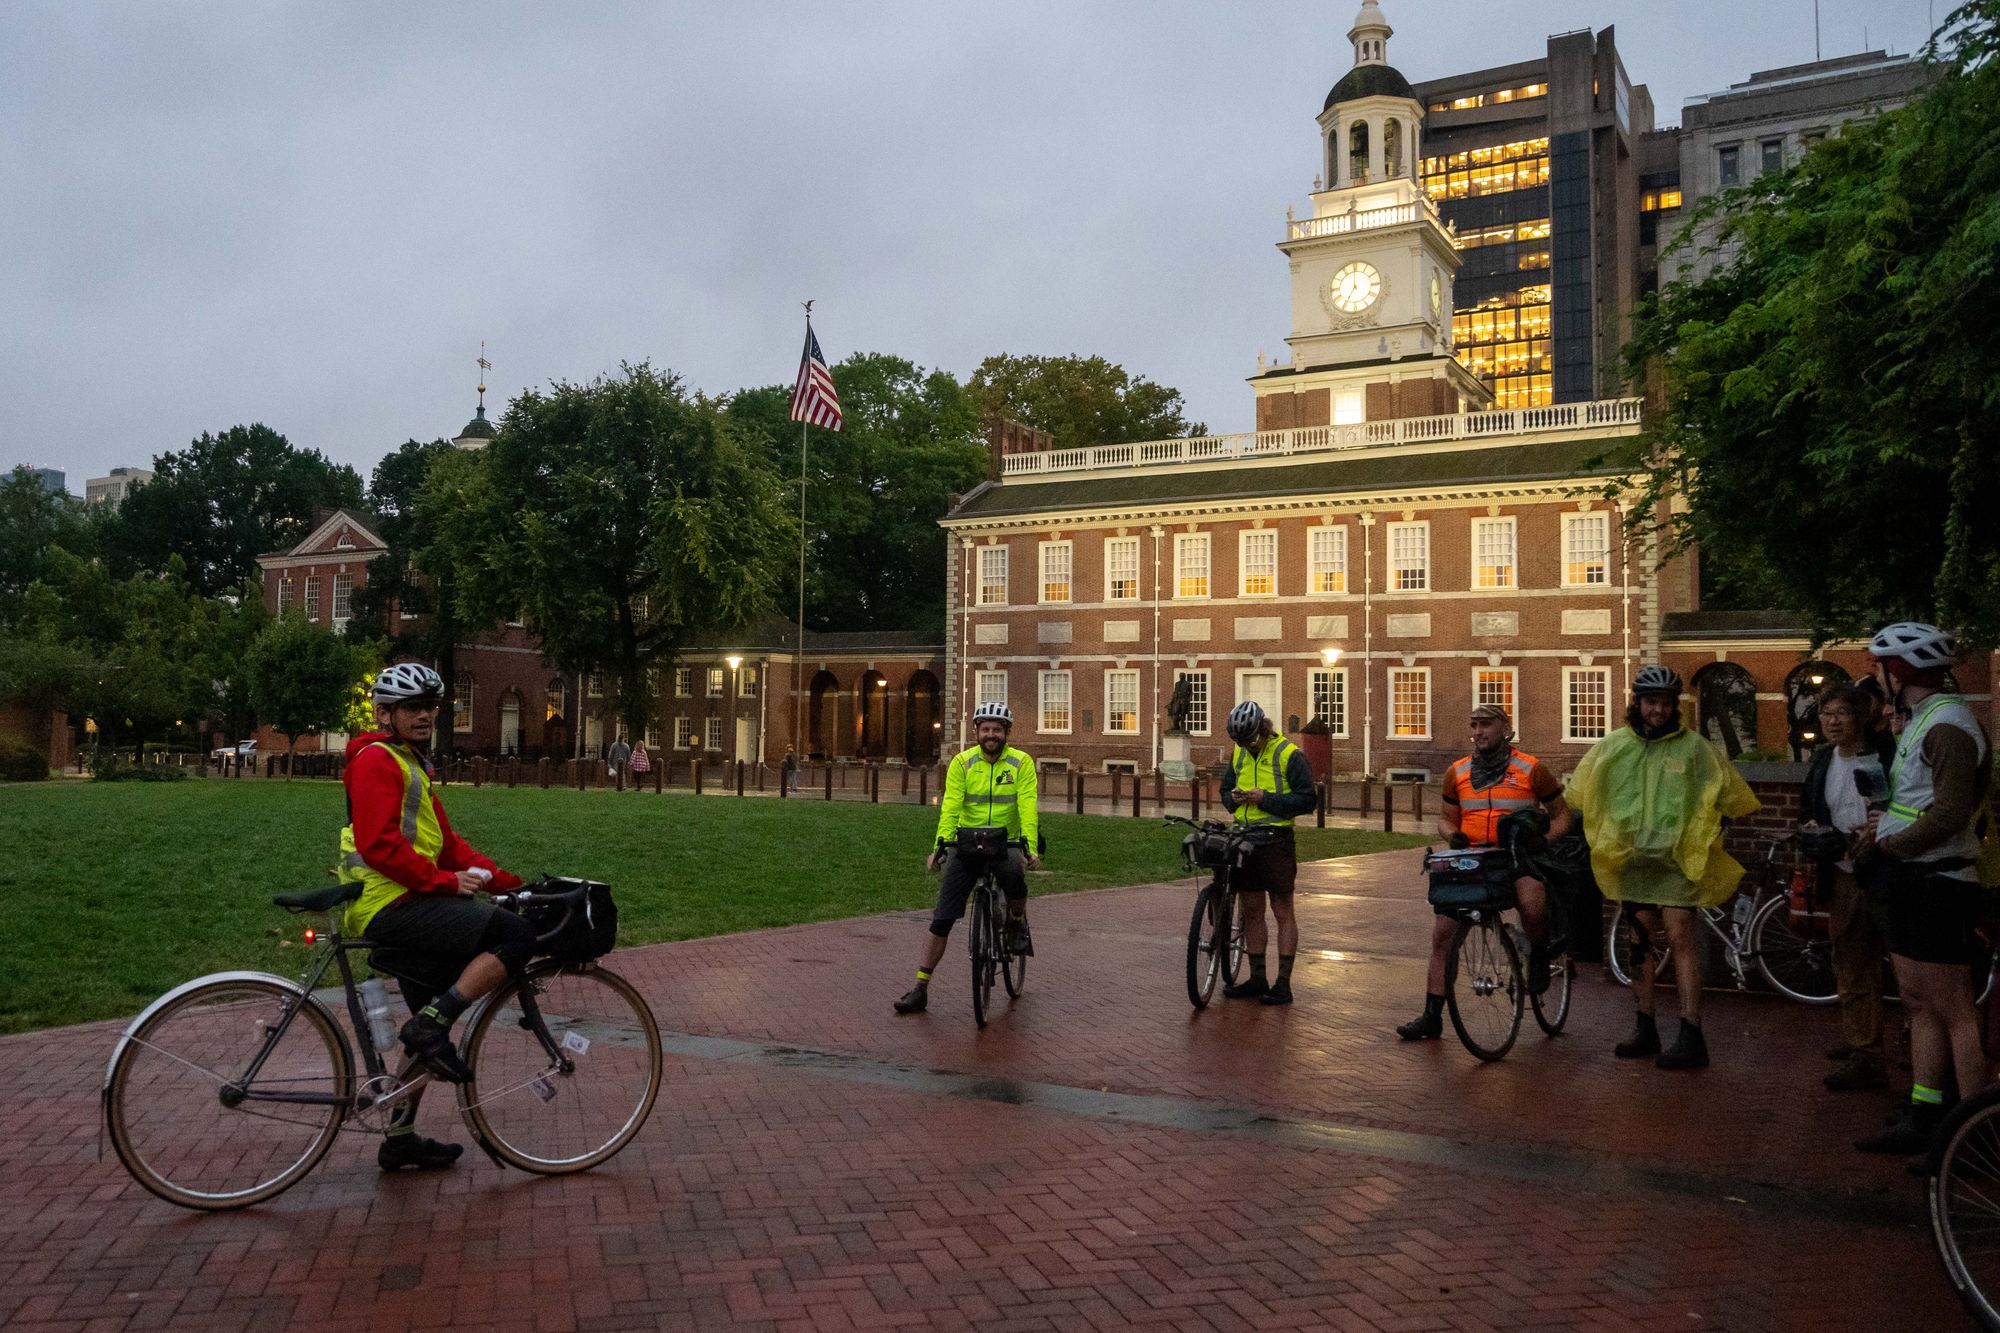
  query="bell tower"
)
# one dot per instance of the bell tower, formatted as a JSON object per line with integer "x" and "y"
{"x": 1372, "y": 266}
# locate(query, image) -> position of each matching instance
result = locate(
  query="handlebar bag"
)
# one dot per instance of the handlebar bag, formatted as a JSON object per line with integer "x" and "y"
{"x": 590, "y": 932}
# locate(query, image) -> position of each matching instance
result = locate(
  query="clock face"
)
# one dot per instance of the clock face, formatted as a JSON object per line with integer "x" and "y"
{"x": 1437, "y": 294}
{"x": 1355, "y": 288}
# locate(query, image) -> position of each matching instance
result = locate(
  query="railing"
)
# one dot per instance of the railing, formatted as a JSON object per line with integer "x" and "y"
{"x": 1614, "y": 412}
{"x": 1339, "y": 224}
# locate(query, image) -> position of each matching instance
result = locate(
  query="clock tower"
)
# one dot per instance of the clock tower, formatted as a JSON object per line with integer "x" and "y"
{"x": 1371, "y": 268}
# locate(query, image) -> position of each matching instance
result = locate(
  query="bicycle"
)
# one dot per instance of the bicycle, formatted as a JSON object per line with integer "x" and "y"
{"x": 986, "y": 938}
{"x": 1964, "y": 1197}
{"x": 1760, "y": 929}
{"x": 229, "y": 1089}
{"x": 1486, "y": 984}
{"x": 1215, "y": 934}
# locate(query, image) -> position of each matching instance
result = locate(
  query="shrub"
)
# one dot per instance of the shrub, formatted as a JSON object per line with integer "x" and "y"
{"x": 112, "y": 768}
{"x": 22, "y": 762}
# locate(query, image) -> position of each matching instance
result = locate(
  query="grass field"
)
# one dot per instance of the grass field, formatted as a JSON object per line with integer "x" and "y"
{"x": 112, "y": 893}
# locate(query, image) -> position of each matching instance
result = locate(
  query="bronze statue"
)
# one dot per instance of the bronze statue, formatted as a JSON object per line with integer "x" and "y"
{"x": 1180, "y": 706}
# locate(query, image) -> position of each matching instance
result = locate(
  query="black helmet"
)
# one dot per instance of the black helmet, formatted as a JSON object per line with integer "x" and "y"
{"x": 1656, "y": 680}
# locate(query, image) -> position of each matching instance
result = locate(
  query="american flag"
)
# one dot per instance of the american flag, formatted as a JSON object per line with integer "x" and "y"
{"x": 813, "y": 398}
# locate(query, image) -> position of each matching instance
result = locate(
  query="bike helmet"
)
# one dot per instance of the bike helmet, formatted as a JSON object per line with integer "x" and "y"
{"x": 1246, "y": 722}
{"x": 1656, "y": 680}
{"x": 408, "y": 683}
{"x": 1925, "y": 647}
{"x": 993, "y": 711}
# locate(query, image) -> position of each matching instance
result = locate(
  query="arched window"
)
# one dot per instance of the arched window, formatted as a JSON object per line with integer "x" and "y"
{"x": 1357, "y": 153}
{"x": 1726, "y": 699}
{"x": 1392, "y": 146}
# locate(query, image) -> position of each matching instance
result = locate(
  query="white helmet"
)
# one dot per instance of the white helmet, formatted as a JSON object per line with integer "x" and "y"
{"x": 993, "y": 711}
{"x": 1922, "y": 646}
{"x": 408, "y": 682}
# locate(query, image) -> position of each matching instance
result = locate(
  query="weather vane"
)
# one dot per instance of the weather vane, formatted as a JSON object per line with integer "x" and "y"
{"x": 484, "y": 366}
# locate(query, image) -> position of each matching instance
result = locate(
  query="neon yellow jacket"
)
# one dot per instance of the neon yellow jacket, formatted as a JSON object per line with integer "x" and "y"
{"x": 1653, "y": 813}
{"x": 990, "y": 792}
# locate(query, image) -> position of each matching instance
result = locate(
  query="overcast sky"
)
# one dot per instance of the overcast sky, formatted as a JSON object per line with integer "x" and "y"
{"x": 309, "y": 215}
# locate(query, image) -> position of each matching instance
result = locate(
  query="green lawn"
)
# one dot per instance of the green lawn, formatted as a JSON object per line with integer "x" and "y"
{"x": 112, "y": 893}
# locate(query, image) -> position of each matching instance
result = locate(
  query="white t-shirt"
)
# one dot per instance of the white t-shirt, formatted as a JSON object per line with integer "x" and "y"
{"x": 1844, "y": 801}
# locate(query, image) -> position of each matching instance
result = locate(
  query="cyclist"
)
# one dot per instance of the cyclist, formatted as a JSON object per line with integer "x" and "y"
{"x": 418, "y": 884}
{"x": 1479, "y": 791}
{"x": 1653, "y": 796}
{"x": 991, "y": 784}
{"x": 1919, "y": 859}
{"x": 1271, "y": 784}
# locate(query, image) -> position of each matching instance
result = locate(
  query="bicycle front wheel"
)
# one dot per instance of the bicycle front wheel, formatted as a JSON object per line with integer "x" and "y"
{"x": 984, "y": 947}
{"x": 1796, "y": 965}
{"x": 1552, "y": 1005}
{"x": 1013, "y": 966}
{"x": 194, "y": 1125}
{"x": 1965, "y": 1203}
{"x": 1483, "y": 986}
{"x": 1208, "y": 943}
{"x": 557, "y": 1115}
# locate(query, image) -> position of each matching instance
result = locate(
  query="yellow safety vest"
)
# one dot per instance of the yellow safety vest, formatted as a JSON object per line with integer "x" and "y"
{"x": 420, "y": 829}
{"x": 990, "y": 792}
{"x": 1265, "y": 770}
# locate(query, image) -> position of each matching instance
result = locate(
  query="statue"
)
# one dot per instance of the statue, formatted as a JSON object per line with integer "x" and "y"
{"x": 1180, "y": 706}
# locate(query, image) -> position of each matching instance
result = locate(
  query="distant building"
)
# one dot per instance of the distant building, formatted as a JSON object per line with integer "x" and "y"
{"x": 51, "y": 478}
{"x": 113, "y": 489}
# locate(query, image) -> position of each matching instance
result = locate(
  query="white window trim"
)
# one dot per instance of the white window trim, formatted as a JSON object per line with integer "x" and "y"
{"x": 1043, "y": 550}
{"x": 1389, "y": 539}
{"x": 1243, "y": 540}
{"x": 746, "y": 682}
{"x": 1187, "y": 541}
{"x": 1312, "y": 574}
{"x": 1569, "y": 715}
{"x": 684, "y": 682}
{"x": 1513, "y": 704}
{"x": 463, "y": 694}
{"x": 683, "y": 733}
{"x": 1111, "y": 543}
{"x": 1042, "y": 679}
{"x": 979, "y": 679}
{"x": 1277, "y": 711}
{"x": 1513, "y": 583}
{"x": 1570, "y": 523}
{"x": 1133, "y": 672}
{"x": 713, "y": 740}
{"x": 1332, "y": 673}
{"x": 1208, "y": 696}
{"x": 979, "y": 575}
{"x": 715, "y": 685}
{"x": 1430, "y": 704}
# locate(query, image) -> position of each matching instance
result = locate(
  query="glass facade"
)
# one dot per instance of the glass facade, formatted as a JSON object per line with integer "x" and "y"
{"x": 1569, "y": 202}
{"x": 1495, "y": 169}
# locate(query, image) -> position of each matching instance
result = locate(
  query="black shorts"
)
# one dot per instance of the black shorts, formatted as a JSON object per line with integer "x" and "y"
{"x": 1271, "y": 868}
{"x": 433, "y": 936}
{"x": 1926, "y": 917}
{"x": 961, "y": 873}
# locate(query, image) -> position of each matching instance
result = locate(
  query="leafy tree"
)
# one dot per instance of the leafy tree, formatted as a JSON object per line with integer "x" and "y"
{"x": 222, "y": 502}
{"x": 1832, "y": 394}
{"x": 876, "y": 488}
{"x": 301, "y": 677}
{"x": 41, "y": 676}
{"x": 617, "y": 519}
{"x": 1080, "y": 400}
{"x": 34, "y": 523}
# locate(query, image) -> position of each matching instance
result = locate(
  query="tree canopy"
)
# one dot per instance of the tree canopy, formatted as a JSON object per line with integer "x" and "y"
{"x": 302, "y": 677}
{"x": 1080, "y": 400}
{"x": 1832, "y": 392}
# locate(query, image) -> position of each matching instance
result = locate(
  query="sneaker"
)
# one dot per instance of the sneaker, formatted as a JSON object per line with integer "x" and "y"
{"x": 1689, "y": 1051}
{"x": 1840, "y": 1053}
{"x": 1644, "y": 1041}
{"x": 1251, "y": 989}
{"x": 916, "y": 1001}
{"x": 1278, "y": 992}
{"x": 429, "y": 1041}
{"x": 1910, "y": 1133}
{"x": 1538, "y": 970}
{"x": 1860, "y": 1071}
{"x": 415, "y": 1152}
{"x": 1426, "y": 1026}
{"x": 1019, "y": 943}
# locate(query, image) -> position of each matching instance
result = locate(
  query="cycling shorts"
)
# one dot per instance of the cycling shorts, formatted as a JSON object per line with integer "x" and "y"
{"x": 1271, "y": 868}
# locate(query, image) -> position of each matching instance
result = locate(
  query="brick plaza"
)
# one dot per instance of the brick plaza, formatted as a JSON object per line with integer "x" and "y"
{"x": 1099, "y": 1158}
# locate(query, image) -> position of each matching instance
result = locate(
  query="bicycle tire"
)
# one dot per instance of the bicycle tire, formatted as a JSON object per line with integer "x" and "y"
{"x": 981, "y": 950}
{"x": 1207, "y": 947}
{"x": 1967, "y": 1156}
{"x": 554, "y": 1121}
{"x": 1552, "y": 1005}
{"x": 151, "y": 1104}
{"x": 1232, "y": 966}
{"x": 1483, "y": 964}
{"x": 1614, "y": 954}
{"x": 1013, "y": 966}
{"x": 1794, "y": 965}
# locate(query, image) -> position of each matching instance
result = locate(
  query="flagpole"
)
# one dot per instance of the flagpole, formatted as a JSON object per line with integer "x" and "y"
{"x": 799, "y": 662}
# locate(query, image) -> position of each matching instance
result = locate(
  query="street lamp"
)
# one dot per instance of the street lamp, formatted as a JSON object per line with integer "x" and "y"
{"x": 735, "y": 661}
{"x": 1332, "y": 655}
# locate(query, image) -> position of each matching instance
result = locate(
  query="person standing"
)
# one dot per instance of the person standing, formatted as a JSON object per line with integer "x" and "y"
{"x": 642, "y": 763}
{"x": 1271, "y": 784}
{"x": 790, "y": 774}
{"x": 1653, "y": 796}
{"x": 618, "y": 755}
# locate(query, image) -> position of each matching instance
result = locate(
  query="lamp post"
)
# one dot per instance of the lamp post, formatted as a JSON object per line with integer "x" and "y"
{"x": 735, "y": 661}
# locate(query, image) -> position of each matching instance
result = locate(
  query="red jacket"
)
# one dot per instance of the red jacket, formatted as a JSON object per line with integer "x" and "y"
{"x": 375, "y": 808}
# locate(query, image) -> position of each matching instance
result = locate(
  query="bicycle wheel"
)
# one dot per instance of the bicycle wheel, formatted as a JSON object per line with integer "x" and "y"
{"x": 1207, "y": 947}
{"x": 1232, "y": 968}
{"x": 1483, "y": 987}
{"x": 1796, "y": 965}
{"x": 1013, "y": 966}
{"x": 980, "y": 941}
{"x": 183, "y": 1118}
{"x": 1617, "y": 939}
{"x": 1965, "y": 1203}
{"x": 554, "y": 1117}
{"x": 1552, "y": 1005}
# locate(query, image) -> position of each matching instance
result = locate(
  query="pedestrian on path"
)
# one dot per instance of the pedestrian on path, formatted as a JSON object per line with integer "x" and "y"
{"x": 619, "y": 755}
{"x": 642, "y": 764}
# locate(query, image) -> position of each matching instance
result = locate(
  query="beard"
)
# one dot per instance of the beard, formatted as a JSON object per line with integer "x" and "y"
{"x": 993, "y": 744}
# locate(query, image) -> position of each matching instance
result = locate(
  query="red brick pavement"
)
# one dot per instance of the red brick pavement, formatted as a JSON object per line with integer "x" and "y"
{"x": 769, "y": 1194}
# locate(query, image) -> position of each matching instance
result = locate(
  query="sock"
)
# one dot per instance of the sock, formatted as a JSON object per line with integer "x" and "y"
{"x": 1017, "y": 914}
{"x": 923, "y": 976}
{"x": 1923, "y": 1096}
{"x": 1285, "y": 967}
{"x": 447, "y": 1007}
{"x": 1433, "y": 1005}
{"x": 1257, "y": 967}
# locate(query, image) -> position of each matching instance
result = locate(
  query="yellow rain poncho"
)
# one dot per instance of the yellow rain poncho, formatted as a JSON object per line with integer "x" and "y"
{"x": 1653, "y": 813}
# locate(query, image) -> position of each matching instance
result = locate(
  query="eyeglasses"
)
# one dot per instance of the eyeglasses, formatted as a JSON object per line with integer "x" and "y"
{"x": 1835, "y": 715}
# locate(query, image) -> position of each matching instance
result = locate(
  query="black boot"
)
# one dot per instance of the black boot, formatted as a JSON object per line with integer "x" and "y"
{"x": 415, "y": 1152}
{"x": 1910, "y": 1133}
{"x": 1644, "y": 1041}
{"x": 1427, "y": 1026}
{"x": 1689, "y": 1051}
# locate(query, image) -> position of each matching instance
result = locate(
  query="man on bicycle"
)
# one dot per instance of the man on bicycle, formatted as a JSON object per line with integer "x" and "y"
{"x": 1271, "y": 784}
{"x": 1920, "y": 862}
{"x": 419, "y": 882}
{"x": 1480, "y": 790}
{"x": 990, "y": 785}
{"x": 1653, "y": 797}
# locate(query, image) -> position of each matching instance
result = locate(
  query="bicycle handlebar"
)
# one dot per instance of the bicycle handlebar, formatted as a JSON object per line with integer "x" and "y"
{"x": 539, "y": 892}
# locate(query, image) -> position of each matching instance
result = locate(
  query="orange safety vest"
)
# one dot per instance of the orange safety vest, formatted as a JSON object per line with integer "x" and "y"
{"x": 1480, "y": 809}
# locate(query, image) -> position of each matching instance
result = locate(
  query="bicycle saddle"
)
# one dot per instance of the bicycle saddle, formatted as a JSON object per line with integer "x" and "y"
{"x": 318, "y": 900}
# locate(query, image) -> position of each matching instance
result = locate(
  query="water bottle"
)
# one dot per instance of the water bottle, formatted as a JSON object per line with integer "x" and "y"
{"x": 375, "y": 1003}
